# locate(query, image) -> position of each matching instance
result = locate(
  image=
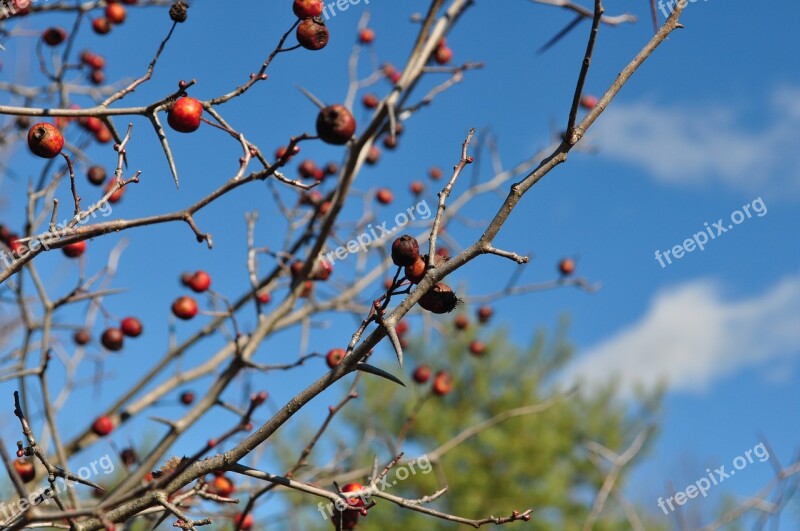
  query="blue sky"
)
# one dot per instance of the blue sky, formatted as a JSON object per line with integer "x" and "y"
{"x": 706, "y": 126}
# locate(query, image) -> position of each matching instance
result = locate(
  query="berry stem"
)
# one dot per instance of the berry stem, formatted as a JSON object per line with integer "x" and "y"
{"x": 75, "y": 195}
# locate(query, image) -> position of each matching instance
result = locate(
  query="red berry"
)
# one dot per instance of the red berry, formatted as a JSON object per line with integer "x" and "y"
{"x": 334, "y": 357}
{"x": 45, "y": 140}
{"x": 401, "y": 327}
{"x": 373, "y": 155}
{"x": 15, "y": 246}
{"x": 103, "y": 136}
{"x": 322, "y": 270}
{"x": 443, "y": 55}
{"x": 74, "y": 250}
{"x": 477, "y": 348}
{"x": 199, "y": 282}
{"x": 54, "y": 36}
{"x": 439, "y": 299}
{"x": 243, "y": 524}
{"x": 388, "y": 69}
{"x": 442, "y": 383}
{"x": 389, "y": 141}
{"x": 312, "y": 34}
{"x": 566, "y": 266}
{"x": 117, "y": 195}
{"x": 384, "y": 196}
{"x": 91, "y": 123}
{"x": 422, "y": 374}
{"x": 308, "y": 8}
{"x": 184, "y": 116}
{"x": 308, "y": 288}
{"x": 336, "y": 125}
{"x": 588, "y": 101}
{"x": 97, "y": 77}
{"x": 131, "y": 327}
{"x": 96, "y": 175}
{"x": 461, "y": 322}
{"x": 25, "y": 469}
{"x": 264, "y": 297}
{"x": 282, "y": 153}
{"x": 184, "y": 308}
{"x": 405, "y": 251}
{"x": 112, "y": 339}
{"x": 416, "y": 271}
{"x": 81, "y": 337}
{"x": 187, "y": 397}
{"x": 417, "y": 187}
{"x": 370, "y": 101}
{"x": 307, "y": 169}
{"x": 222, "y": 486}
{"x": 484, "y": 314}
{"x": 366, "y": 36}
{"x": 92, "y": 60}
{"x": 116, "y": 13}
{"x": 295, "y": 268}
{"x": 102, "y": 426}
{"x": 356, "y": 501}
{"x": 435, "y": 173}
{"x": 331, "y": 168}
{"x": 101, "y": 25}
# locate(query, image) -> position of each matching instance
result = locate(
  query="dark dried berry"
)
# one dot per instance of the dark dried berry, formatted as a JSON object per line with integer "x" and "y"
{"x": 112, "y": 339}
{"x": 439, "y": 299}
{"x": 405, "y": 250}
{"x": 128, "y": 457}
{"x": 96, "y": 175}
{"x": 336, "y": 125}
{"x": 54, "y": 36}
{"x": 312, "y": 34}
{"x": 179, "y": 11}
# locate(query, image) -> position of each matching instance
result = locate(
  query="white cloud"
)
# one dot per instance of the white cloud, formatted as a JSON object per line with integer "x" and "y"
{"x": 691, "y": 337}
{"x": 710, "y": 144}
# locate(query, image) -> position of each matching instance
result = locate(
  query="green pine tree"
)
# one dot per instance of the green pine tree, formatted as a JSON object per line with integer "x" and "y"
{"x": 536, "y": 461}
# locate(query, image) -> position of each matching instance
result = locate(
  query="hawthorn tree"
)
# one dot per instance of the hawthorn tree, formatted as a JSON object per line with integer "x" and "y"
{"x": 75, "y": 109}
